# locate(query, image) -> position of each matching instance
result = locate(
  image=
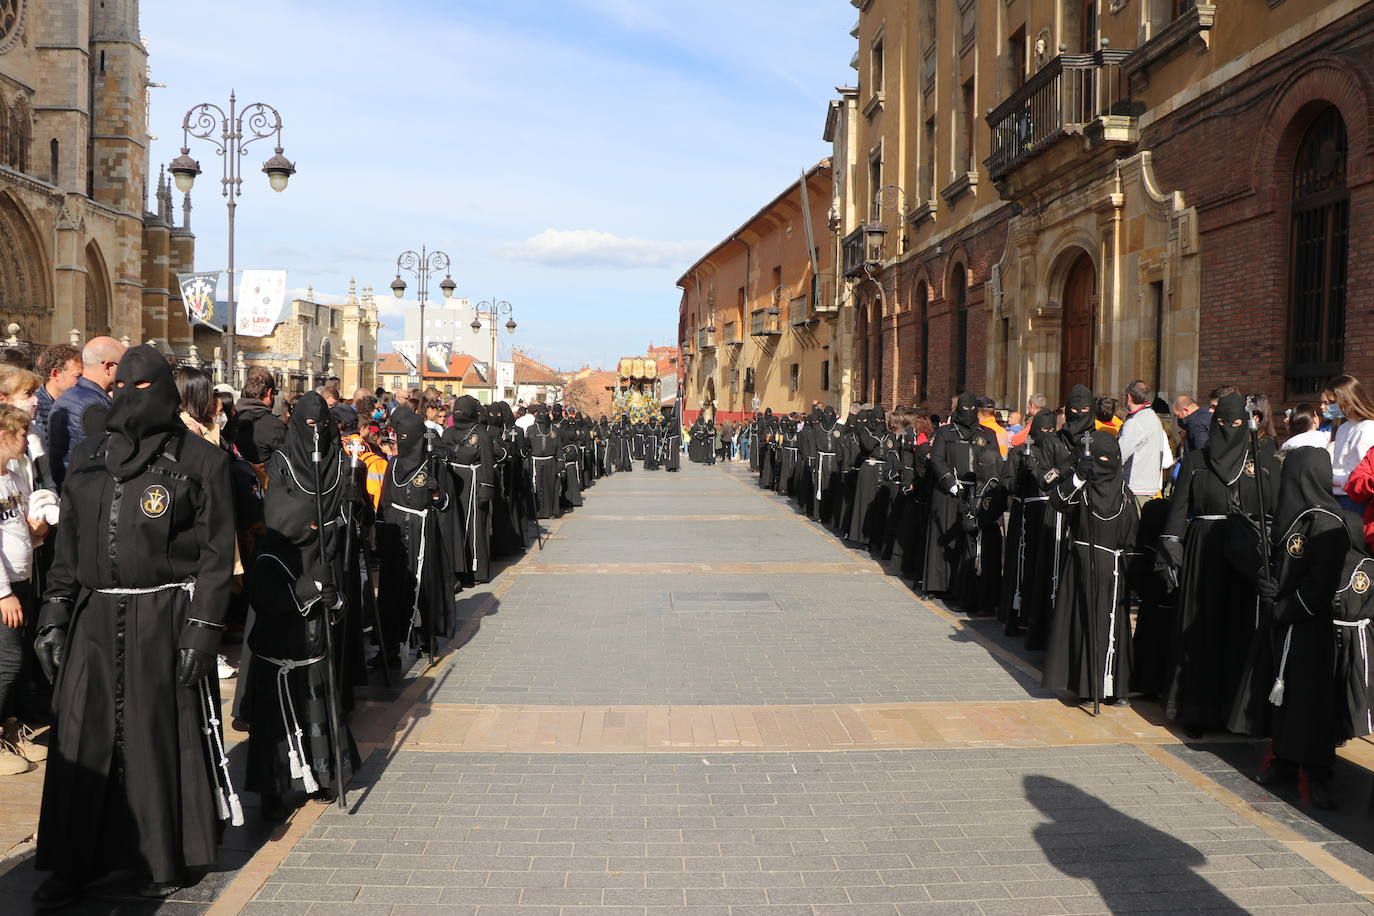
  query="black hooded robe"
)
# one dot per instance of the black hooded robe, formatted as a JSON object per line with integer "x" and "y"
{"x": 789, "y": 455}
{"x": 467, "y": 450}
{"x": 953, "y": 479}
{"x": 870, "y": 463}
{"x": 827, "y": 476}
{"x": 1217, "y": 608}
{"x": 1090, "y": 635}
{"x": 546, "y": 470}
{"x": 290, "y": 688}
{"x": 414, "y": 551}
{"x": 141, "y": 570}
{"x": 511, "y": 502}
{"x": 913, "y": 506}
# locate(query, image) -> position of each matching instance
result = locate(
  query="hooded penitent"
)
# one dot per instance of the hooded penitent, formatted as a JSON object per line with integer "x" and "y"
{"x": 966, "y": 412}
{"x": 1305, "y": 484}
{"x": 1105, "y": 483}
{"x": 410, "y": 442}
{"x": 345, "y": 417}
{"x": 1228, "y": 442}
{"x": 1078, "y": 413}
{"x": 1043, "y": 439}
{"x": 146, "y": 410}
{"x": 467, "y": 410}
{"x": 312, "y": 415}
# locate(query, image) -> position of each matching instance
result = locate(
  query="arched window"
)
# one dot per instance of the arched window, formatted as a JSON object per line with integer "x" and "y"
{"x": 958, "y": 298}
{"x": 1319, "y": 222}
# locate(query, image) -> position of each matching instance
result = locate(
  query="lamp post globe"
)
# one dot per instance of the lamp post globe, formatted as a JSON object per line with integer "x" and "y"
{"x": 279, "y": 170}
{"x": 398, "y": 287}
{"x": 448, "y": 286}
{"x": 510, "y": 326}
{"x": 184, "y": 170}
{"x": 476, "y": 325}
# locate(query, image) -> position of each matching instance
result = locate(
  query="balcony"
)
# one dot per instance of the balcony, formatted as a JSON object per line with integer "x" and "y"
{"x": 863, "y": 248}
{"x": 1072, "y": 95}
{"x": 732, "y": 339}
{"x": 825, "y": 295}
{"x": 764, "y": 323}
{"x": 706, "y": 339}
{"x": 799, "y": 312}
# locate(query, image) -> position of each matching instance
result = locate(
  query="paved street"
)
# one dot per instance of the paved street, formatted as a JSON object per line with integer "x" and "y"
{"x": 693, "y": 700}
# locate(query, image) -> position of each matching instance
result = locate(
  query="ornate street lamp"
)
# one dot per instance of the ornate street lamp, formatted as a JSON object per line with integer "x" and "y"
{"x": 231, "y": 133}
{"x": 422, "y": 265}
{"x": 493, "y": 309}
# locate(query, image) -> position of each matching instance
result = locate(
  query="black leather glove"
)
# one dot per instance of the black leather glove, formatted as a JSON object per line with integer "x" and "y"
{"x": 193, "y": 665}
{"x": 1083, "y": 468}
{"x": 970, "y": 524}
{"x": 1269, "y": 610}
{"x": 329, "y": 597}
{"x": 1266, "y": 588}
{"x": 1172, "y": 551}
{"x": 50, "y": 646}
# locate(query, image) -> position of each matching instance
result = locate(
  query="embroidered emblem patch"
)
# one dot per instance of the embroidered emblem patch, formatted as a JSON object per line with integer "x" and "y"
{"x": 835, "y": 433}
{"x": 1250, "y": 468}
{"x": 987, "y": 504}
{"x": 980, "y": 442}
{"x": 1297, "y": 545}
{"x": 155, "y": 501}
{"x": 419, "y": 480}
{"x": 1360, "y": 582}
{"x": 472, "y": 440}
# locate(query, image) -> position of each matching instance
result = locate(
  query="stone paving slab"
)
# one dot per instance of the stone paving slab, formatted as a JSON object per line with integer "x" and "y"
{"x": 760, "y": 540}
{"x": 1065, "y": 830}
{"x": 618, "y": 640}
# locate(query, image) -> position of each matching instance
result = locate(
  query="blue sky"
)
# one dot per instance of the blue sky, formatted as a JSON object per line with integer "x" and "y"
{"x": 574, "y": 157}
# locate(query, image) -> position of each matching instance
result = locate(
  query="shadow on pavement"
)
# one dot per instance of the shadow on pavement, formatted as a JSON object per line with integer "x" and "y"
{"x": 1133, "y": 865}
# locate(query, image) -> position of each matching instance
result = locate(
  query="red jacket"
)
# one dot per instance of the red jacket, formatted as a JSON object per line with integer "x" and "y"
{"x": 1360, "y": 488}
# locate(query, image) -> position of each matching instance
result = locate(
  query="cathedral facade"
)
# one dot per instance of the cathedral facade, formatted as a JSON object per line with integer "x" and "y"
{"x": 80, "y": 252}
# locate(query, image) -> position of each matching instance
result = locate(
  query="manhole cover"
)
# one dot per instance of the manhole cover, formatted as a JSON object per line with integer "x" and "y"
{"x": 728, "y": 602}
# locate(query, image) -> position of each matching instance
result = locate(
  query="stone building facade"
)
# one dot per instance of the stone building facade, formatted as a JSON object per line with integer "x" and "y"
{"x": 757, "y": 320}
{"x": 318, "y": 341}
{"x": 1098, "y": 191}
{"x": 79, "y": 251}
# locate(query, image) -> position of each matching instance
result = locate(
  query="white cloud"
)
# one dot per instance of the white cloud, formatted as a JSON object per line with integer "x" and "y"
{"x": 592, "y": 249}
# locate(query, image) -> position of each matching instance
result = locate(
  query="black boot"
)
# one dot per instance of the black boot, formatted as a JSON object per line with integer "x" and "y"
{"x": 56, "y": 893}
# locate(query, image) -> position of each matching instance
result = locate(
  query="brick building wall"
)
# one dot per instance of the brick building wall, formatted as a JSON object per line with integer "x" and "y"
{"x": 1242, "y": 198}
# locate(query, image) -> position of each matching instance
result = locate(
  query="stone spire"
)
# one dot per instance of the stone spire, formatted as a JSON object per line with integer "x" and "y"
{"x": 353, "y": 291}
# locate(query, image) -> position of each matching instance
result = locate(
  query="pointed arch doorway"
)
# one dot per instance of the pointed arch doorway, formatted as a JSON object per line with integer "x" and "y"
{"x": 1077, "y": 340}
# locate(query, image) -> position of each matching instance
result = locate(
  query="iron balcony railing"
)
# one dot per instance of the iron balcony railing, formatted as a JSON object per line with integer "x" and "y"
{"x": 764, "y": 323}
{"x": 1062, "y": 98}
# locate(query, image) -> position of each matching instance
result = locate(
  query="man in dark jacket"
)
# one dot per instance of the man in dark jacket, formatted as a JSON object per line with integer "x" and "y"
{"x": 99, "y": 362}
{"x": 259, "y": 432}
{"x": 1194, "y": 420}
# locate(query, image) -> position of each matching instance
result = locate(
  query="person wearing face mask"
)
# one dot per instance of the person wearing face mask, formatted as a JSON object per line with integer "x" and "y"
{"x": 297, "y": 591}
{"x": 1209, "y": 543}
{"x": 1353, "y": 410}
{"x": 952, "y": 466}
{"x": 137, "y": 780}
{"x": 415, "y": 586}
{"x": 1089, "y": 651}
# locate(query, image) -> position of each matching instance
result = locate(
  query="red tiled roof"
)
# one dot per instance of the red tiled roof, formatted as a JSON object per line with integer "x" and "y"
{"x": 392, "y": 364}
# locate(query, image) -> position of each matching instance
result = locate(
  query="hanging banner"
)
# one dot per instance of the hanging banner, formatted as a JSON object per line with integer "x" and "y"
{"x": 198, "y": 295}
{"x": 409, "y": 350}
{"x": 262, "y": 293}
{"x": 437, "y": 357}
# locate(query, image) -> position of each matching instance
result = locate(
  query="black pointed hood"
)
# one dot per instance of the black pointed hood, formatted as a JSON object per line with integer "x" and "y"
{"x": 410, "y": 442}
{"x": 312, "y": 415}
{"x": 1228, "y": 441}
{"x": 146, "y": 411}
{"x": 1078, "y": 413}
{"x": 966, "y": 412}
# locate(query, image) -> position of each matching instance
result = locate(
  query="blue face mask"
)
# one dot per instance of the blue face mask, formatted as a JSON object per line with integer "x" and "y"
{"x": 1332, "y": 412}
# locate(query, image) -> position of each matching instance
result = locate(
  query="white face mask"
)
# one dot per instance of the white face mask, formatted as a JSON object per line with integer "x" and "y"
{"x": 221, "y": 420}
{"x": 29, "y": 404}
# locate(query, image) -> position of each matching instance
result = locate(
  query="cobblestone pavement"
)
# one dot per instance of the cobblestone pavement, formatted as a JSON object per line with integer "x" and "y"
{"x": 693, "y": 700}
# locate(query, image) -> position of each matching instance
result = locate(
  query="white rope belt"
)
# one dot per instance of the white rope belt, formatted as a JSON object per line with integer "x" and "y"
{"x": 1361, "y": 626}
{"x": 472, "y": 508}
{"x": 419, "y": 567}
{"x": 1029, "y": 499}
{"x": 1109, "y": 668}
{"x": 534, "y": 470}
{"x": 295, "y": 737}
{"x": 226, "y": 799}
{"x": 188, "y": 586}
{"x": 821, "y": 472}
{"x": 1208, "y": 518}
